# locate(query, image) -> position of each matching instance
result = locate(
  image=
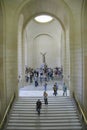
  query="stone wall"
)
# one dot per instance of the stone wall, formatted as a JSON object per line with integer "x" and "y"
{"x": 73, "y": 22}
{"x": 84, "y": 46}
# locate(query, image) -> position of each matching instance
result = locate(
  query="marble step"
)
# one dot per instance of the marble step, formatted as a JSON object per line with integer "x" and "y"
{"x": 59, "y": 114}
{"x": 32, "y": 106}
{"x": 45, "y": 128}
{"x": 35, "y": 124}
{"x": 34, "y": 97}
{"x": 45, "y": 108}
{"x": 44, "y": 117}
{"x": 43, "y": 111}
{"x": 44, "y": 121}
{"x": 50, "y": 104}
{"x": 50, "y": 100}
{"x": 44, "y": 114}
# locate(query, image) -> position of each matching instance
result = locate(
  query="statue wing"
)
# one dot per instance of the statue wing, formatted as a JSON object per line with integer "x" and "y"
{"x": 43, "y": 53}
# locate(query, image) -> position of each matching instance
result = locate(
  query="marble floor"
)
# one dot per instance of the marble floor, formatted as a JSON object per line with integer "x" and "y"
{"x": 31, "y": 90}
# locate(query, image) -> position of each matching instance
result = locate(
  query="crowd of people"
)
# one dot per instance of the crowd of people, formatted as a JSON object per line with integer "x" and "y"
{"x": 46, "y": 75}
{"x": 39, "y": 75}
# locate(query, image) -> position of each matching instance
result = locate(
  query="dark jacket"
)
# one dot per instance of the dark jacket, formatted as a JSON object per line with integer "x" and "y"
{"x": 38, "y": 104}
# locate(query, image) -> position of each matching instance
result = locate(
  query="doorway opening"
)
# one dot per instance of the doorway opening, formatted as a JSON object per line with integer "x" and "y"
{"x": 42, "y": 55}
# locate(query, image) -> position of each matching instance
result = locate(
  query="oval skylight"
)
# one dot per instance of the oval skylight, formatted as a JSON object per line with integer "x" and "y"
{"x": 43, "y": 18}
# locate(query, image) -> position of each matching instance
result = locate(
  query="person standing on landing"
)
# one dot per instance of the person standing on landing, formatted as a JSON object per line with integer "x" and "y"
{"x": 64, "y": 89}
{"x": 45, "y": 86}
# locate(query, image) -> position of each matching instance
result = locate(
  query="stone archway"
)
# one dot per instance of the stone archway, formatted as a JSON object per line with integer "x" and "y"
{"x": 64, "y": 21}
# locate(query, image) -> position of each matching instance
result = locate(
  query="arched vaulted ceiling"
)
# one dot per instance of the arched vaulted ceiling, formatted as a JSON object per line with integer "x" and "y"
{"x": 62, "y": 10}
{"x": 55, "y": 8}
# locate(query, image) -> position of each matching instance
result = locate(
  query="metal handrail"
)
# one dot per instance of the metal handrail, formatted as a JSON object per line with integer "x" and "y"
{"x": 81, "y": 110}
{"x": 4, "y": 117}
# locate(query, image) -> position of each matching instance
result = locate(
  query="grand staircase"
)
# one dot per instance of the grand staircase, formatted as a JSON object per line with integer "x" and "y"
{"x": 59, "y": 114}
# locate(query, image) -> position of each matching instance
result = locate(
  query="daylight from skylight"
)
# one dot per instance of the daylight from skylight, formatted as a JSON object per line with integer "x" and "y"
{"x": 43, "y": 18}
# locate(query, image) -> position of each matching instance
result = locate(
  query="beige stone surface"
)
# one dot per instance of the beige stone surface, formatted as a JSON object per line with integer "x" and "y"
{"x": 72, "y": 18}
